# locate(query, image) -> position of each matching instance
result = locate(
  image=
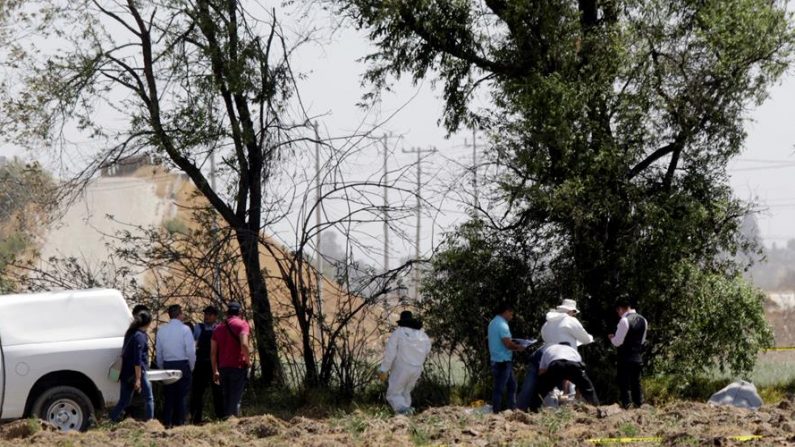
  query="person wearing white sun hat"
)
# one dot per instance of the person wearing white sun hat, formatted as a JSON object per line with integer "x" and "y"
{"x": 562, "y": 325}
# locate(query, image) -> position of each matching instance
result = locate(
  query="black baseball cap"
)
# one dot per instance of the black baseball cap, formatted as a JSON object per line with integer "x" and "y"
{"x": 233, "y": 307}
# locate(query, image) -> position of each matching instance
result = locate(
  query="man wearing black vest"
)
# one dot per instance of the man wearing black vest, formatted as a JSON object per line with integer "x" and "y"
{"x": 203, "y": 373}
{"x": 630, "y": 338}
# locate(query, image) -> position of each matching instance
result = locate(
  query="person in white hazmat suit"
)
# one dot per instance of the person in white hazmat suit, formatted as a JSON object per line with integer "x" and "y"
{"x": 404, "y": 356}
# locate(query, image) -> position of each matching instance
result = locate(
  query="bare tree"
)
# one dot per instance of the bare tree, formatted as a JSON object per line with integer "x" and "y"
{"x": 186, "y": 78}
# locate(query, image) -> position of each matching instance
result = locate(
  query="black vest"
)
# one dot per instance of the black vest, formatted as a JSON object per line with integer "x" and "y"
{"x": 203, "y": 343}
{"x": 632, "y": 348}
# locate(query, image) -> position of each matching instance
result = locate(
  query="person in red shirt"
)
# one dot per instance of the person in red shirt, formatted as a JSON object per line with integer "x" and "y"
{"x": 230, "y": 358}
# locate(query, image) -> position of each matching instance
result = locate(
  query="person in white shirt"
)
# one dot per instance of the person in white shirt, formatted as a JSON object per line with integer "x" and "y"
{"x": 563, "y": 326}
{"x": 558, "y": 363}
{"x": 176, "y": 349}
{"x": 404, "y": 356}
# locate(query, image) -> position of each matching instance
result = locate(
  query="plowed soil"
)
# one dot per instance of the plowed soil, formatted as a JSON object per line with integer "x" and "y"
{"x": 683, "y": 423}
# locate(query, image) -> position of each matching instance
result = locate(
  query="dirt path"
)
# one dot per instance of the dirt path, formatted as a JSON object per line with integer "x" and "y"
{"x": 683, "y": 423}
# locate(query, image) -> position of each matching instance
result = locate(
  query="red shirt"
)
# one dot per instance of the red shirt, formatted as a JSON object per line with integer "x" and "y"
{"x": 230, "y": 353}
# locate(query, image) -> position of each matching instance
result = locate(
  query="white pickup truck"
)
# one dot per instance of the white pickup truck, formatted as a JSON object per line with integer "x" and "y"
{"x": 55, "y": 352}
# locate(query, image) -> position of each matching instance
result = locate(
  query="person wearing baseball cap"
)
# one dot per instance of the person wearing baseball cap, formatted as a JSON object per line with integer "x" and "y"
{"x": 230, "y": 358}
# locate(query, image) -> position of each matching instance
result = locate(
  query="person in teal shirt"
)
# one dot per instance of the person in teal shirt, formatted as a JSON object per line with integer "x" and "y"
{"x": 501, "y": 349}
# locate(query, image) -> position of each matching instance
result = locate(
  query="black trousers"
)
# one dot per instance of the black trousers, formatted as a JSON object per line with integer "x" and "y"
{"x": 557, "y": 372}
{"x": 203, "y": 378}
{"x": 629, "y": 383}
{"x": 176, "y": 395}
{"x": 233, "y": 384}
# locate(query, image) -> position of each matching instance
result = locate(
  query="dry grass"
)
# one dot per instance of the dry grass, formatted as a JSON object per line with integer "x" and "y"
{"x": 682, "y": 423}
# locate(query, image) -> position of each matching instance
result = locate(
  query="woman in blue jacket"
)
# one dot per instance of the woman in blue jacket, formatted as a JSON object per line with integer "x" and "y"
{"x": 135, "y": 361}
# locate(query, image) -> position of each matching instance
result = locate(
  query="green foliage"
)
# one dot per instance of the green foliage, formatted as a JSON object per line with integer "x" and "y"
{"x": 664, "y": 389}
{"x": 612, "y": 123}
{"x": 476, "y": 270}
{"x": 628, "y": 429}
{"x": 431, "y": 390}
{"x": 553, "y": 421}
{"x": 177, "y": 78}
{"x": 418, "y": 435}
{"x": 715, "y": 317}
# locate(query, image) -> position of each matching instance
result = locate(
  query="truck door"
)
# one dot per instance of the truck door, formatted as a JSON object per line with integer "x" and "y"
{"x": 2, "y": 379}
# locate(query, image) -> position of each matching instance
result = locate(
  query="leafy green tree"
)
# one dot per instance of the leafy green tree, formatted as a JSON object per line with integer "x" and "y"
{"x": 177, "y": 79}
{"x": 613, "y": 122}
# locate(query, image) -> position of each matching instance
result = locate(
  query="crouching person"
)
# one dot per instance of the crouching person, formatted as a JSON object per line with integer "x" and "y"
{"x": 558, "y": 363}
{"x": 405, "y": 354}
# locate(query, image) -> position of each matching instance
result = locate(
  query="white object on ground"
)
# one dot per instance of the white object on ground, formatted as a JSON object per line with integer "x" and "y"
{"x": 484, "y": 409}
{"x": 740, "y": 394}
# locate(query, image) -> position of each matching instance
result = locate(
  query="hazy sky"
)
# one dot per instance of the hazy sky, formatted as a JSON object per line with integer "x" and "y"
{"x": 765, "y": 171}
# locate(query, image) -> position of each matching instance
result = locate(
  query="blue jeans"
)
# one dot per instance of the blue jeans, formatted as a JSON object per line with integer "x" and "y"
{"x": 233, "y": 383}
{"x": 503, "y": 380}
{"x": 126, "y": 392}
{"x": 175, "y": 405}
{"x": 530, "y": 380}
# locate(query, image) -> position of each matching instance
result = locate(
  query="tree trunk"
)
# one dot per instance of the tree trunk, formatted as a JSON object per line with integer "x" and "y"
{"x": 263, "y": 317}
{"x": 311, "y": 376}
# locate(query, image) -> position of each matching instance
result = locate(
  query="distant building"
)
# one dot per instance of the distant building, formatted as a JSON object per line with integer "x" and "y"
{"x": 127, "y": 166}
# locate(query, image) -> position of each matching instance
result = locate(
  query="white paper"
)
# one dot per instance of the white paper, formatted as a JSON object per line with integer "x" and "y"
{"x": 524, "y": 342}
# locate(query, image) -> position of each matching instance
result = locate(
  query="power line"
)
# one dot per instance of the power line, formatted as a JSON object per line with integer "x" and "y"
{"x": 764, "y": 168}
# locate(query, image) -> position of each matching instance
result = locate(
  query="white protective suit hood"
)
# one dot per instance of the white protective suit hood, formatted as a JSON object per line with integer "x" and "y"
{"x": 562, "y": 327}
{"x": 406, "y": 346}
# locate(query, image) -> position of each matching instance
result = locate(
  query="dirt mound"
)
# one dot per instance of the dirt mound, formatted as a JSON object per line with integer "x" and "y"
{"x": 683, "y": 423}
{"x": 23, "y": 429}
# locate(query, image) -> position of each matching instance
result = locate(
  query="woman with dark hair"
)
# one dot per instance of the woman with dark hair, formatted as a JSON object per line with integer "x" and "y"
{"x": 135, "y": 361}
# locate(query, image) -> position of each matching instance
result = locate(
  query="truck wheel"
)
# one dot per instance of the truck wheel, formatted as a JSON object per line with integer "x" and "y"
{"x": 65, "y": 407}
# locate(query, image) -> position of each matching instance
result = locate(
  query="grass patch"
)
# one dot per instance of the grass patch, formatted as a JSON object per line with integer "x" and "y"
{"x": 552, "y": 421}
{"x": 628, "y": 430}
{"x": 418, "y": 435}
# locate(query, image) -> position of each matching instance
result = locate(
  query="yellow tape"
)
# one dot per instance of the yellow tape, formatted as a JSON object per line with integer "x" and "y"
{"x": 656, "y": 440}
{"x": 744, "y": 438}
{"x": 623, "y": 440}
{"x": 783, "y": 348}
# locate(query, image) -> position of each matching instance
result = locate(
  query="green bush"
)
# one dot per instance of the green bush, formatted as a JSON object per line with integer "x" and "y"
{"x": 175, "y": 226}
{"x": 476, "y": 270}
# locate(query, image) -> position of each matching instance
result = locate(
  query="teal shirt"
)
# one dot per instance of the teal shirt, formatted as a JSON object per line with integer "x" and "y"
{"x": 498, "y": 329}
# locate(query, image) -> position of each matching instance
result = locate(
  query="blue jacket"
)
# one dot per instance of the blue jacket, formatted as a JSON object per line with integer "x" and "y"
{"x": 136, "y": 353}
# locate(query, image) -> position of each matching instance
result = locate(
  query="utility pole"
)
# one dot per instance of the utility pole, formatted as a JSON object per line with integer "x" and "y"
{"x": 318, "y": 254}
{"x": 475, "y": 163}
{"x": 419, "y": 151}
{"x": 386, "y": 203}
